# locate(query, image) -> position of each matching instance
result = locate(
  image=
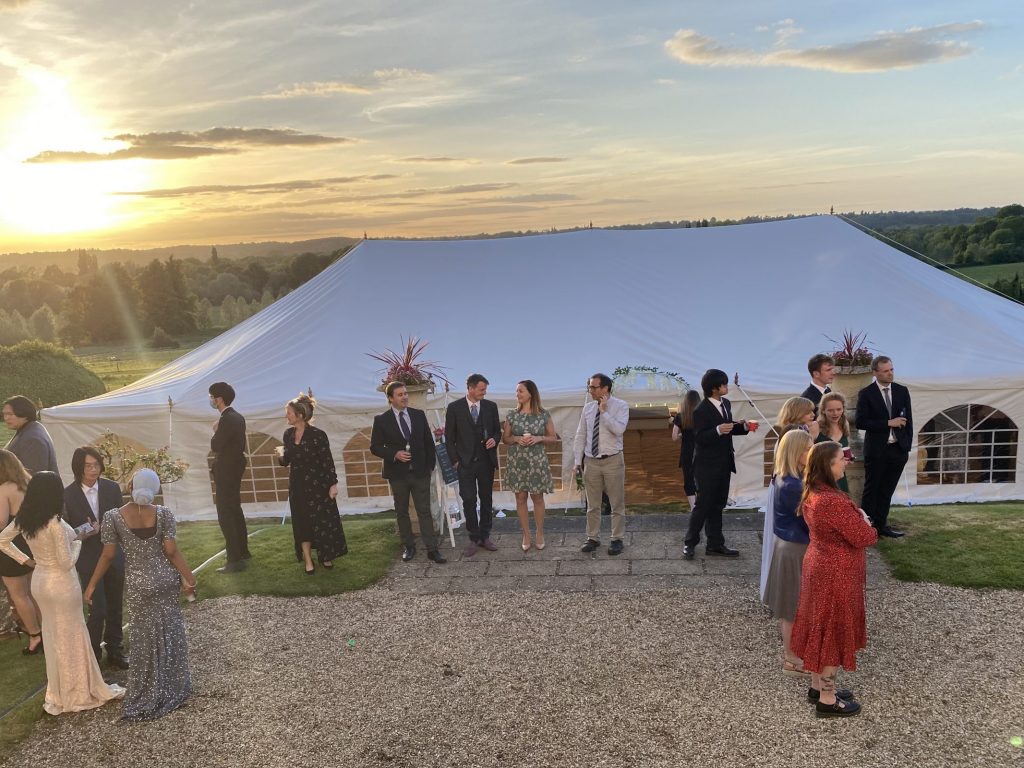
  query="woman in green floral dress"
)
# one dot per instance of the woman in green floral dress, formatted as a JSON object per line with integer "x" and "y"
{"x": 527, "y": 471}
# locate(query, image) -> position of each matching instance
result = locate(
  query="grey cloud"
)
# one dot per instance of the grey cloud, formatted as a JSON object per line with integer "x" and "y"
{"x": 533, "y": 160}
{"x": 420, "y": 159}
{"x": 318, "y": 89}
{"x": 884, "y": 51}
{"x": 180, "y": 145}
{"x": 265, "y": 188}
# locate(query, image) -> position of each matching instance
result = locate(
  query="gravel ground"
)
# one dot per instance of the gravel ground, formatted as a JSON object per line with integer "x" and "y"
{"x": 554, "y": 679}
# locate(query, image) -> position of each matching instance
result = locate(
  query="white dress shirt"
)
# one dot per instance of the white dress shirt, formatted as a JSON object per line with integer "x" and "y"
{"x": 721, "y": 410}
{"x": 92, "y": 495}
{"x": 613, "y": 424}
{"x": 881, "y": 391}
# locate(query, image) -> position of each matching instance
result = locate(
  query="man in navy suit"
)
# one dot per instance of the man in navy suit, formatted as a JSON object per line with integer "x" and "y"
{"x": 87, "y": 500}
{"x": 471, "y": 432}
{"x": 883, "y": 412}
{"x": 714, "y": 462}
{"x": 823, "y": 370}
{"x": 401, "y": 437}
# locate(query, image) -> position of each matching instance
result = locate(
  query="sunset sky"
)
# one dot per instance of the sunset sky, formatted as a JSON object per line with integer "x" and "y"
{"x": 153, "y": 123}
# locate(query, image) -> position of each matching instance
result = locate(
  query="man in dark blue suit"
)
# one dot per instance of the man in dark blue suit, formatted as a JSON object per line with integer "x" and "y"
{"x": 823, "y": 370}
{"x": 471, "y": 432}
{"x": 714, "y": 462}
{"x": 401, "y": 437}
{"x": 87, "y": 500}
{"x": 883, "y": 412}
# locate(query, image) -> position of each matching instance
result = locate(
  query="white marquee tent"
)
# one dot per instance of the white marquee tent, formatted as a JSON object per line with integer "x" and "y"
{"x": 755, "y": 298}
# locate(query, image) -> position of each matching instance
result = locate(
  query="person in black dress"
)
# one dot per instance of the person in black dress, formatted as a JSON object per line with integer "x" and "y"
{"x": 312, "y": 487}
{"x": 682, "y": 430}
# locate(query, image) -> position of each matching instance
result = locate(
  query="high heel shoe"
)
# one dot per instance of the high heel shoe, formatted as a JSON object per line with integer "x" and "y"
{"x": 37, "y": 649}
{"x": 540, "y": 544}
{"x": 526, "y": 546}
{"x": 310, "y": 571}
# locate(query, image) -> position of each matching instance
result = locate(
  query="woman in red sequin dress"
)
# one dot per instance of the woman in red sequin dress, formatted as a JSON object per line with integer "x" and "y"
{"x": 830, "y": 626}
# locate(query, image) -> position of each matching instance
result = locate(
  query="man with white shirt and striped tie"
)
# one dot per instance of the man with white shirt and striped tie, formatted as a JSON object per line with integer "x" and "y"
{"x": 598, "y": 450}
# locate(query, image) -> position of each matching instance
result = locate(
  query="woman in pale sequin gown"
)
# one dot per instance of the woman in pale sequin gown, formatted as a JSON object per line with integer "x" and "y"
{"x": 73, "y": 679}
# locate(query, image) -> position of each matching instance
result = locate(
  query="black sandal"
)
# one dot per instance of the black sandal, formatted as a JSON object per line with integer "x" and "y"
{"x": 38, "y": 649}
{"x": 839, "y": 709}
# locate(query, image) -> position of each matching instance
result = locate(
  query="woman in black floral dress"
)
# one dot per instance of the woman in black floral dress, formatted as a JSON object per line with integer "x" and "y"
{"x": 312, "y": 487}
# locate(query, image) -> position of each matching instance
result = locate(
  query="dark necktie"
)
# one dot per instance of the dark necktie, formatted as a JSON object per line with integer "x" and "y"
{"x": 828, "y": 389}
{"x": 888, "y": 402}
{"x": 595, "y": 438}
{"x": 725, "y": 411}
{"x": 406, "y": 431}
{"x": 474, "y": 411}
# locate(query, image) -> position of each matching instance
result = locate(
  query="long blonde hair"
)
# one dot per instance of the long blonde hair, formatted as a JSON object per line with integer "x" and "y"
{"x": 844, "y": 423}
{"x": 12, "y": 470}
{"x": 794, "y": 410}
{"x": 790, "y": 450}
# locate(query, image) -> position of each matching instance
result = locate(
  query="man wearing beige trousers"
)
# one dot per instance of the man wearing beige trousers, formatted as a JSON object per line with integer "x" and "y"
{"x": 598, "y": 450}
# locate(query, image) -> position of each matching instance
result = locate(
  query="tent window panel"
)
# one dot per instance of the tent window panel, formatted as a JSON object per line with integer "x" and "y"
{"x": 966, "y": 444}
{"x": 264, "y": 480}
{"x": 363, "y": 469}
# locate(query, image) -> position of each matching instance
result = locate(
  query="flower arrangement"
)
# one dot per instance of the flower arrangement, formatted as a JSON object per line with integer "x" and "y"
{"x": 408, "y": 367}
{"x": 121, "y": 460}
{"x": 626, "y": 370}
{"x": 851, "y": 350}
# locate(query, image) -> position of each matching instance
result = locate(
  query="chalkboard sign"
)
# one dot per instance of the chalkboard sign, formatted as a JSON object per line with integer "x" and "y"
{"x": 444, "y": 462}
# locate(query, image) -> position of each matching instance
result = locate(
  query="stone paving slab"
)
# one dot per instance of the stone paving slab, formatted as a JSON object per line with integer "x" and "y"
{"x": 652, "y": 560}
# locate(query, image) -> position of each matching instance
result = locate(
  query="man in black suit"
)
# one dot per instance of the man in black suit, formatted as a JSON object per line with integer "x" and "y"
{"x": 471, "y": 431}
{"x": 714, "y": 462}
{"x": 823, "y": 371}
{"x": 87, "y": 500}
{"x": 228, "y": 444}
{"x": 883, "y": 412}
{"x": 402, "y": 438}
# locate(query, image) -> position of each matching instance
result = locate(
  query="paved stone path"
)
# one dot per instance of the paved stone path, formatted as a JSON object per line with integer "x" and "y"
{"x": 652, "y": 559}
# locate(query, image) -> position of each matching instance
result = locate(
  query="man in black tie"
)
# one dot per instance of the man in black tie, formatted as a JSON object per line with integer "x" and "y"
{"x": 823, "y": 370}
{"x": 471, "y": 431}
{"x": 401, "y": 437}
{"x": 883, "y": 412}
{"x": 228, "y": 445}
{"x": 714, "y": 462}
{"x": 87, "y": 500}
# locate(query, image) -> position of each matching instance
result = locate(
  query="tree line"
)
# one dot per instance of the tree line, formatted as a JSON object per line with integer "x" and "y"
{"x": 161, "y": 299}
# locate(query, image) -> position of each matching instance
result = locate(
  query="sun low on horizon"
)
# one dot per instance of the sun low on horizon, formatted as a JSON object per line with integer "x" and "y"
{"x": 156, "y": 125}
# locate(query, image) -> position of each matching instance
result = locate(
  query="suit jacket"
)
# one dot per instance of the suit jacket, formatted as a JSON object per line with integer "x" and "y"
{"x": 813, "y": 394}
{"x": 714, "y": 452}
{"x": 228, "y": 443}
{"x": 77, "y": 511}
{"x": 464, "y": 438}
{"x": 872, "y": 417}
{"x": 387, "y": 439}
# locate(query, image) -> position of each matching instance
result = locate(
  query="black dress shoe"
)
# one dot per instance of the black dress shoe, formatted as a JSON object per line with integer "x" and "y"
{"x": 117, "y": 660}
{"x": 813, "y": 695}
{"x": 688, "y": 552}
{"x": 436, "y": 557}
{"x": 839, "y": 709}
{"x": 890, "y": 533}
{"x": 590, "y": 546}
{"x": 235, "y": 567}
{"x": 722, "y": 551}
{"x": 408, "y": 553}
{"x": 615, "y": 548}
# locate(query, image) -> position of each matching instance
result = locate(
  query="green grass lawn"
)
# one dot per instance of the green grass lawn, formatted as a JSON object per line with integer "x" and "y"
{"x": 962, "y": 545}
{"x": 989, "y": 273}
{"x": 272, "y": 571}
{"x": 121, "y": 364}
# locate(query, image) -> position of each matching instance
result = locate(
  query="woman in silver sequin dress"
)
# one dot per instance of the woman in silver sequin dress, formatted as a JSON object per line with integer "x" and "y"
{"x": 159, "y": 680}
